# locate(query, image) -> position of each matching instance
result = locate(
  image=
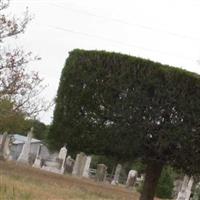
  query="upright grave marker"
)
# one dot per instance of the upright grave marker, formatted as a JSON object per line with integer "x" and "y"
{"x": 24, "y": 155}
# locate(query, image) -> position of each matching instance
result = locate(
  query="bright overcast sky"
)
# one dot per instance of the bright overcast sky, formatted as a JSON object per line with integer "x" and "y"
{"x": 166, "y": 31}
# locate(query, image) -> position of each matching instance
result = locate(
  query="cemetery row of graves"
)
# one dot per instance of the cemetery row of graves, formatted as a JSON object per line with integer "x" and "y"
{"x": 38, "y": 156}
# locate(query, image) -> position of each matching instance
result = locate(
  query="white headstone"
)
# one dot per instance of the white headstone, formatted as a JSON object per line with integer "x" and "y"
{"x": 87, "y": 166}
{"x": 132, "y": 175}
{"x": 63, "y": 153}
{"x": 24, "y": 155}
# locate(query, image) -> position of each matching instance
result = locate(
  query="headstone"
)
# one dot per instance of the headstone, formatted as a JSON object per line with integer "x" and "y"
{"x": 7, "y": 152}
{"x": 38, "y": 159}
{"x": 63, "y": 153}
{"x": 24, "y": 155}
{"x": 101, "y": 172}
{"x": 87, "y": 167}
{"x": 2, "y": 146}
{"x": 115, "y": 181}
{"x": 62, "y": 156}
{"x": 185, "y": 192}
{"x": 132, "y": 175}
{"x": 69, "y": 164}
{"x": 79, "y": 164}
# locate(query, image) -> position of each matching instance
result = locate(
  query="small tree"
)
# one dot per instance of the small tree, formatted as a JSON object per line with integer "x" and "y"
{"x": 165, "y": 184}
{"x": 18, "y": 85}
{"x": 128, "y": 107}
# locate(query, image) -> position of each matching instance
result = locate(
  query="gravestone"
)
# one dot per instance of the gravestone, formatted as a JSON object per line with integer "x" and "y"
{"x": 2, "y": 145}
{"x": 24, "y": 155}
{"x": 101, "y": 172}
{"x": 38, "y": 159}
{"x": 186, "y": 187}
{"x": 62, "y": 156}
{"x": 132, "y": 175}
{"x": 69, "y": 164}
{"x": 79, "y": 164}
{"x": 115, "y": 181}
{"x": 6, "y": 150}
{"x": 63, "y": 153}
{"x": 87, "y": 167}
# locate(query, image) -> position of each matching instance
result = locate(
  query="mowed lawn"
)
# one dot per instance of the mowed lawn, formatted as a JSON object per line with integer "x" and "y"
{"x": 19, "y": 182}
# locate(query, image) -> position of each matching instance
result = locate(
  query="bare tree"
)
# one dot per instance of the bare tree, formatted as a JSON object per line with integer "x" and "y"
{"x": 17, "y": 84}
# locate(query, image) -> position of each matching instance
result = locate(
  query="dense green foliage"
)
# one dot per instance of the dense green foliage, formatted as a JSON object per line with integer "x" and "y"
{"x": 166, "y": 184}
{"x": 40, "y": 129}
{"x": 11, "y": 120}
{"x": 128, "y": 107}
{"x": 15, "y": 121}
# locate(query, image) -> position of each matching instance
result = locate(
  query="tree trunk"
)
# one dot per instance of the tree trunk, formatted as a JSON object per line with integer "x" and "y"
{"x": 153, "y": 172}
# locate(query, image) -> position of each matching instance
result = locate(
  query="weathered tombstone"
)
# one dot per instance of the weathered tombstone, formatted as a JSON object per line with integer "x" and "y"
{"x": 132, "y": 175}
{"x": 87, "y": 166}
{"x": 101, "y": 172}
{"x": 7, "y": 153}
{"x": 2, "y": 146}
{"x": 79, "y": 164}
{"x": 63, "y": 153}
{"x": 115, "y": 181}
{"x": 38, "y": 159}
{"x": 69, "y": 164}
{"x": 62, "y": 156}
{"x": 185, "y": 192}
{"x": 24, "y": 155}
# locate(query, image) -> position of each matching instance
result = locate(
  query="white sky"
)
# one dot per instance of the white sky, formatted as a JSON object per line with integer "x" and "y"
{"x": 167, "y": 31}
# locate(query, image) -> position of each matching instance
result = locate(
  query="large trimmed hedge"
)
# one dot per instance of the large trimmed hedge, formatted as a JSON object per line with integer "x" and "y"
{"x": 128, "y": 107}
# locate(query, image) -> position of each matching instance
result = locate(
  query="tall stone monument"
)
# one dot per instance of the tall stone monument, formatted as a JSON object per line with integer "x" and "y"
{"x": 24, "y": 155}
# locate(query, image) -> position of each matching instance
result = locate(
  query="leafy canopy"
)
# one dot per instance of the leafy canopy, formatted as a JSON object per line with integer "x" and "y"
{"x": 128, "y": 107}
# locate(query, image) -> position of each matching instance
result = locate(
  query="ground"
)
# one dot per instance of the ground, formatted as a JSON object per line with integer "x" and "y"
{"x": 19, "y": 182}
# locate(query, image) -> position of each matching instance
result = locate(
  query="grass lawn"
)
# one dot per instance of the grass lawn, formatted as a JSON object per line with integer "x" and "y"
{"x": 19, "y": 182}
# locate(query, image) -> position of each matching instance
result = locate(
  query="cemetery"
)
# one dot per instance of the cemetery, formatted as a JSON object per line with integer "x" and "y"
{"x": 63, "y": 164}
{"x": 120, "y": 120}
{"x": 144, "y": 153}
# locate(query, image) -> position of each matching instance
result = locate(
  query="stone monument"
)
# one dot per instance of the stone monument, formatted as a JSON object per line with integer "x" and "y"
{"x": 115, "y": 181}
{"x": 2, "y": 145}
{"x": 69, "y": 164}
{"x": 132, "y": 175}
{"x": 186, "y": 187}
{"x": 24, "y": 155}
{"x": 101, "y": 172}
{"x": 38, "y": 159}
{"x": 87, "y": 167}
{"x": 79, "y": 164}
